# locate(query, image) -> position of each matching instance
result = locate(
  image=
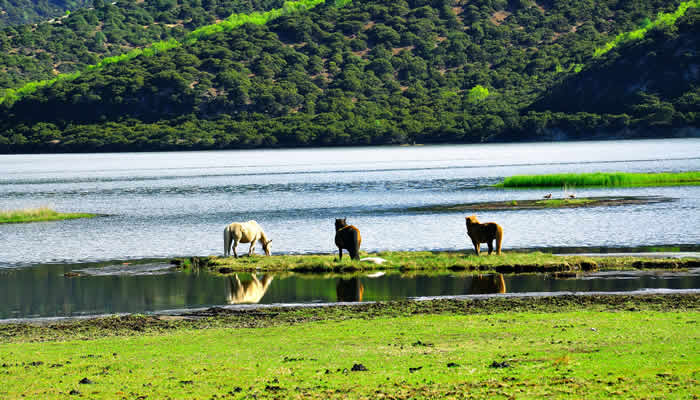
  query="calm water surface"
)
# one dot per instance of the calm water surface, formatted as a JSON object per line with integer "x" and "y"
{"x": 160, "y": 205}
{"x": 44, "y": 291}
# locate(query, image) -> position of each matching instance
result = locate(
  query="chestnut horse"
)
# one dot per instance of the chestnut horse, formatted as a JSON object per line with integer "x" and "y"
{"x": 484, "y": 233}
{"x": 347, "y": 237}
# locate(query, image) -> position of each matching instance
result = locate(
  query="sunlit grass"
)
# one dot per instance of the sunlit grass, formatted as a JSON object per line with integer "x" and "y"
{"x": 427, "y": 261}
{"x": 37, "y": 215}
{"x": 406, "y": 352}
{"x": 662, "y": 19}
{"x": 603, "y": 179}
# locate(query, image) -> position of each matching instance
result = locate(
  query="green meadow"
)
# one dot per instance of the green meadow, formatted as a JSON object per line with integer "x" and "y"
{"x": 602, "y": 179}
{"x": 503, "y": 348}
{"x": 38, "y": 215}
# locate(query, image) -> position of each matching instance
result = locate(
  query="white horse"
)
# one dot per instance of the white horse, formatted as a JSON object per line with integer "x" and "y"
{"x": 244, "y": 232}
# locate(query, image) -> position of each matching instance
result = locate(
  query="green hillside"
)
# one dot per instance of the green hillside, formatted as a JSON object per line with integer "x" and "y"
{"x": 652, "y": 82}
{"x": 84, "y": 37}
{"x": 367, "y": 72}
{"x": 20, "y": 12}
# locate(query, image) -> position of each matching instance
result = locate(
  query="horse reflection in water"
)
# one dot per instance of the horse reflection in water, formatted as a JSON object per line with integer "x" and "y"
{"x": 488, "y": 284}
{"x": 250, "y": 292}
{"x": 349, "y": 289}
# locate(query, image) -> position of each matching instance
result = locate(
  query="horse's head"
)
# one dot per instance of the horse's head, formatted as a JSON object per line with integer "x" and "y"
{"x": 339, "y": 223}
{"x": 471, "y": 220}
{"x": 266, "y": 247}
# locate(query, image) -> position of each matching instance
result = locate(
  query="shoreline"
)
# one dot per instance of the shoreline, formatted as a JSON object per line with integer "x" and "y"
{"x": 197, "y": 313}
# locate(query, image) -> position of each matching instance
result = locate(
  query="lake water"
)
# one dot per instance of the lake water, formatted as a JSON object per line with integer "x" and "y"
{"x": 44, "y": 291}
{"x": 161, "y": 205}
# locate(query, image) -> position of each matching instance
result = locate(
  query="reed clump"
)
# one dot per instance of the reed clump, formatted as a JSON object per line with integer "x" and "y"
{"x": 37, "y": 214}
{"x": 603, "y": 179}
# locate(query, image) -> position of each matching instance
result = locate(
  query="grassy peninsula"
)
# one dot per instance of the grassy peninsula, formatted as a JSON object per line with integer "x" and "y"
{"x": 38, "y": 215}
{"x": 507, "y": 262}
{"x": 553, "y": 347}
{"x": 602, "y": 179}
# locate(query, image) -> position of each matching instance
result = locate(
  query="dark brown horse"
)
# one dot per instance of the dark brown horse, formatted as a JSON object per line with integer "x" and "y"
{"x": 347, "y": 237}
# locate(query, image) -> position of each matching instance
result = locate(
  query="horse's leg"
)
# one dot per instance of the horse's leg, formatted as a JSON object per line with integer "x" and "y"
{"x": 227, "y": 243}
{"x": 354, "y": 254}
{"x": 252, "y": 248}
{"x": 476, "y": 246}
{"x": 490, "y": 243}
{"x": 340, "y": 253}
{"x": 499, "y": 241}
{"x": 235, "y": 244}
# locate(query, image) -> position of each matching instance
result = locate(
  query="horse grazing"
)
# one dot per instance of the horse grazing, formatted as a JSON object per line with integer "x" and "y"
{"x": 484, "y": 233}
{"x": 347, "y": 237}
{"x": 250, "y": 292}
{"x": 244, "y": 232}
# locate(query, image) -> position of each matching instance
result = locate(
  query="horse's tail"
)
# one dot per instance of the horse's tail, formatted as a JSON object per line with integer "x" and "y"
{"x": 356, "y": 240}
{"x": 227, "y": 241}
{"x": 499, "y": 238}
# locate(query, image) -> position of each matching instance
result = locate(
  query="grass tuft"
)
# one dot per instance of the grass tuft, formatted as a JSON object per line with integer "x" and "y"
{"x": 603, "y": 179}
{"x": 37, "y": 215}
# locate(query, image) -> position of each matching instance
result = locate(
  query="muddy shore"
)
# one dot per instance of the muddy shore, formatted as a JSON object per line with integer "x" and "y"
{"x": 136, "y": 324}
{"x": 607, "y": 201}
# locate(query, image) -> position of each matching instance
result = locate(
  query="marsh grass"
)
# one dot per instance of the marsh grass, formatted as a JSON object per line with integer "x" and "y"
{"x": 602, "y": 179}
{"x": 37, "y": 215}
{"x": 427, "y": 261}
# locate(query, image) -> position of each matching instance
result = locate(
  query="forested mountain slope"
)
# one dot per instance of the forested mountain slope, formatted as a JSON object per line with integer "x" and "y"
{"x": 656, "y": 79}
{"x": 371, "y": 72}
{"x": 70, "y": 43}
{"x": 19, "y": 12}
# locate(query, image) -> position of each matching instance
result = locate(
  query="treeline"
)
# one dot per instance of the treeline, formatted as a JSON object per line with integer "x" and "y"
{"x": 372, "y": 72}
